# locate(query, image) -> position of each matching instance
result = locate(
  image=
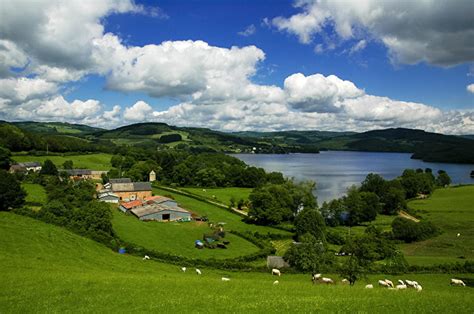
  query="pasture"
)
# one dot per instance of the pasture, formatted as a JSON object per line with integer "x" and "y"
{"x": 176, "y": 238}
{"x": 49, "y": 269}
{"x": 452, "y": 210}
{"x": 36, "y": 193}
{"x": 222, "y": 195}
{"x": 216, "y": 214}
{"x": 88, "y": 161}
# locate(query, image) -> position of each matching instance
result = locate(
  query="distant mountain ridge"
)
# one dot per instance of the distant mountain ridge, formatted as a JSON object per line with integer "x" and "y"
{"x": 423, "y": 145}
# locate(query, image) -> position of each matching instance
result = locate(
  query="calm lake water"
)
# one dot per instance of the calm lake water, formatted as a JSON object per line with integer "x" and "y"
{"x": 335, "y": 171}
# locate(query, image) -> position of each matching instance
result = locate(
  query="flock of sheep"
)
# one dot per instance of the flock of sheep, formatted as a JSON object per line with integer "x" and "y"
{"x": 318, "y": 278}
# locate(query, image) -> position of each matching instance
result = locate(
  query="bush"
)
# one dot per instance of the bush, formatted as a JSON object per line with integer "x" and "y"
{"x": 411, "y": 231}
{"x": 335, "y": 237}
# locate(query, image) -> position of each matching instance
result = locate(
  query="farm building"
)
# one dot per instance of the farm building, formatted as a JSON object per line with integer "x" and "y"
{"x": 161, "y": 200}
{"x": 127, "y": 206}
{"x": 161, "y": 212}
{"x": 78, "y": 174}
{"x": 131, "y": 191}
{"x": 26, "y": 167}
{"x": 108, "y": 197}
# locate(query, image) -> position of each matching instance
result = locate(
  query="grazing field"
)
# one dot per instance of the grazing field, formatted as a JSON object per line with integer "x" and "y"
{"x": 452, "y": 210}
{"x": 217, "y": 214}
{"x": 48, "y": 269}
{"x": 176, "y": 237}
{"x": 222, "y": 195}
{"x": 88, "y": 161}
{"x": 35, "y": 193}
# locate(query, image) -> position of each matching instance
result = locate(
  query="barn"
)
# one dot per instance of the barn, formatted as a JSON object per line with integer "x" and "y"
{"x": 160, "y": 212}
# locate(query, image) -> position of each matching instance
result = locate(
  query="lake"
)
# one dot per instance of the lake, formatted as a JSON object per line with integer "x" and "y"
{"x": 335, "y": 171}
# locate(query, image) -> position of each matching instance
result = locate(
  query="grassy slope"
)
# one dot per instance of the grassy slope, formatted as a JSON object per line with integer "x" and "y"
{"x": 90, "y": 161}
{"x": 216, "y": 214}
{"x": 452, "y": 210}
{"x": 35, "y": 193}
{"x": 48, "y": 269}
{"x": 222, "y": 195}
{"x": 176, "y": 238}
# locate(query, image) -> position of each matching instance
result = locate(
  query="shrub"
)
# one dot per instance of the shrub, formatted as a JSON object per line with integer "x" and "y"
{"x": 411, "y": 231}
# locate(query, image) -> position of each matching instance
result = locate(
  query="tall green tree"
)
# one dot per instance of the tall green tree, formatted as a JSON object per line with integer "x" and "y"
{"x": 309, "y": 220}
{"x": 5, "y": 158}
{"x": 68, "y": 164}
{"x": 49, "y": 168}
{"x": 12, "y": 194}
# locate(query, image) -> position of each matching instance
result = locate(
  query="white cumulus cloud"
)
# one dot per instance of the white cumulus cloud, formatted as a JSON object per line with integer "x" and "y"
{"x": 470, "y": 88}
{"x": 140, "y": 111}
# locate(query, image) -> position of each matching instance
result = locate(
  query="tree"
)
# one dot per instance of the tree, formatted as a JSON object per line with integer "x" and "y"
{"x": 309, "y": 255}
{"x": 371, "y": 205}
{"x": 68, "y": 164}
{"x": 49, "y": 168}
{"x": 353, "y": 270}
{"x": 12, "y": 194}
{"x": 5, "y": 160}
{"x": 443, "y": 178}
{"x": 393, "y": 200}
{"x": 354, "y": 206}
{"x": 310, "y": 221}
{"x": 373, "y": 183}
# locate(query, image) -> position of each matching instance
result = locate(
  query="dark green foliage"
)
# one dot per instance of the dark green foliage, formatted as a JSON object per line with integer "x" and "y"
{"x": 393, "y": 199}
{"x": 332, "y": 212}
{"x": 273, "y": 203}
{"x": 170, "y": 138}
{"x": 309, "y": 254}
{"x": 443, "y": 178}
{"x": 49, "y": 168}
{"x": 411, "y": 231}
{"x": 334, "y": 236}
{"x": 68, "y": 164}
{"x": 353, "y": 269}
{"x": 310, "y": 221}
{"x": 417, "y": 182}
{"x": 5, "y": 160}
{"x": 12, "y": 194}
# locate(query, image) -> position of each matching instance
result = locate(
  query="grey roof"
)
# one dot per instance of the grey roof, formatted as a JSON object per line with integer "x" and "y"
{"x": 131, "y": 187}
{"x": 107, "y": 194}
{"x": 120, "y": 180}
{"x": 78, "y": 172}
{"x": 30, "y": 164}
{"x": 155, "y": 208}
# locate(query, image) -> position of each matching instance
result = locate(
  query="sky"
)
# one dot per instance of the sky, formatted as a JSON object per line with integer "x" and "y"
{"x": 240, "y": 65}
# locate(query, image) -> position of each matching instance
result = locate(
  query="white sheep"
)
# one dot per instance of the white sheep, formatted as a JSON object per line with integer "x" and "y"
{"x": 457, "y": 282}
{"x": 225, "y": 279}
{"x": 418, "y": 288}
{"x": 327, "y": 280}
{"x": 276, "y": 282}
{"x": 401, "y": 287}
{"x": 276, "y": 272}
{"x": 401, "y": 282}
{"x": 345, "y": 281}
{"x": 383, "y": 283}
{"x": 410, "y": 283}
{"x": 458, "y": 235}
{"x": 198, "y": 271}
{"x": 146, "y": 257}
{"x": 390, "y": 283}
{"x": 183, "y": 269}
{"x": 369, "y": 286}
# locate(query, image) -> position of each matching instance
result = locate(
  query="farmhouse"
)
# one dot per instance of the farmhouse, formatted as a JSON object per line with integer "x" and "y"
{"x": 26, "y": 167}
{"x": 108, "y": 197}
{"x": 79, "y": 174}
{"x": 161, "y": 212}
{"x": 127, "y": 206}
{"x": 130, "y": 191}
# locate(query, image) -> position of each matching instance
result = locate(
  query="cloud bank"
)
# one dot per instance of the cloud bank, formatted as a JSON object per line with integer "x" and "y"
{"x": 45, "y": 45}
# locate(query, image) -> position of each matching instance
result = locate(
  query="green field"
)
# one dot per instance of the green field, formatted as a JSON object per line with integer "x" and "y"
{"x": 35, "y": 193}
{"x": 217, "y": 214}
{"x": 452, "y": 210}
{"x": 176, "y": 238}
{"x": 221, "y": 195}
{"x": 49, "y": 269}
{"x": 88, "y": 161}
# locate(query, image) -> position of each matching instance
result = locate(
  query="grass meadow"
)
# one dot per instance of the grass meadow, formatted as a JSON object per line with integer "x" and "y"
{"x": 36, "y": 193}
{"x": 452, "y": 210}
{"x": 49, "y": 269}
{"x": 89, "y": 161}
{"x": 176, "y": 238}
{"x": 222, "y": 195}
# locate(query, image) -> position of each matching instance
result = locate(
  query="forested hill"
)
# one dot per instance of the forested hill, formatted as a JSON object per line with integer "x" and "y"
{"x": 63, "y": 137}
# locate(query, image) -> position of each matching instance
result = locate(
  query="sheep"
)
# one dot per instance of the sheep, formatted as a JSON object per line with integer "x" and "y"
{"x": 276, "y": 272}
{"x": 345, "y": 281}
{"x": 418, "y": 288}
{"x": 390, "y": 283}
{"x": 410, "y": 283}
{"x": 383, "y": 283}
{"x": 401, "y": 287}
{"x": 183, "y": 269}
{"x": 146, "y": 257}
{"x": 198, "y": 271}
{"x": 225, "y": 279}
{"x": 457, "y": 282}
{"x": 315, "y": 277}
{"x": 401, "y": 282}
{"x": 458, "y": 235}
{"x": 369, "y": 286}
{"x": 276, "y": 282}
{"x": 327, "y": 280}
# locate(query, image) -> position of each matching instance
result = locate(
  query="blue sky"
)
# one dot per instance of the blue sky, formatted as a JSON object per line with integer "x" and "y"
{"x": 389, "y": 72}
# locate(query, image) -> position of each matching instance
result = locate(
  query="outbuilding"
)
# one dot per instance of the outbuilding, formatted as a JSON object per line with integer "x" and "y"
{"x": 160, "y": 212}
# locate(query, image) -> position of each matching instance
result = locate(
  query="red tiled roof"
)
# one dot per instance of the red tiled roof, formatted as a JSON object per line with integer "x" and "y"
{"x": 132, "y": 204}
